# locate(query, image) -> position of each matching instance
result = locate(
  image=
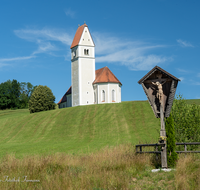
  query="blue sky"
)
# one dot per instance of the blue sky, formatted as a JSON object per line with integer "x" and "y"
{"x": 131, "y": 37}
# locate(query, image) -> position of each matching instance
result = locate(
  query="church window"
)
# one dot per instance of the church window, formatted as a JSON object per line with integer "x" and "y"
{"x": 103, "y": 95}
{"x": 86, "y": 51}
{"x": 88, "y": 82}
{"x": 87, "y": 92}
{"x": 113, "y": 95}
{"x": 87, "y": 102}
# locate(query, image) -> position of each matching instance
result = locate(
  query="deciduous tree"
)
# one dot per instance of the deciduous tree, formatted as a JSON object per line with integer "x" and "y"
{"x": 42, "y": 99}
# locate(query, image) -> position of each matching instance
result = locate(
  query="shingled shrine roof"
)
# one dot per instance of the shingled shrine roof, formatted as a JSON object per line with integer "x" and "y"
{"x": 156, "y": 68}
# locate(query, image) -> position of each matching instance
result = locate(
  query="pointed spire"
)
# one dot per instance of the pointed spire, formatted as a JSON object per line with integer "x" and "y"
{"x": 77, "y": 36}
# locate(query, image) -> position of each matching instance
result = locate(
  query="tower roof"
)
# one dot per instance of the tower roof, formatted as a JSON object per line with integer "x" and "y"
{"x": 78, "y": 35}
{"x": 104, "y": 75}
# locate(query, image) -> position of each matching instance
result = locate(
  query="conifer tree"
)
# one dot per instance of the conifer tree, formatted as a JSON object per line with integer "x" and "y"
{"x": 172, "y": 156}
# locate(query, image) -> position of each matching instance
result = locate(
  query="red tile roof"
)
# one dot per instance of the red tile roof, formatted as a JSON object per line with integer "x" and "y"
{"x": 78, "y": 35}
{"x": 104, "y": 75}
{"x": 64, "y": 99}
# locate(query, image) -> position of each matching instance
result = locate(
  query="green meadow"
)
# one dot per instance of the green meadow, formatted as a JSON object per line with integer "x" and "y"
{"x": 75, "y": 130}
{"x": 87, "y": 147}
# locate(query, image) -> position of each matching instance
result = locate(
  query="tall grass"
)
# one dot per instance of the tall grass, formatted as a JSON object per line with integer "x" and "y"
{"x": 188, "y": 172}
{"x": 110, "y": 168}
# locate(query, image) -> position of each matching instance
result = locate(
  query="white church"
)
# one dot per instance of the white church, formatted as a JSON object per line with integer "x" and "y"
{"x": 89, "y": 86}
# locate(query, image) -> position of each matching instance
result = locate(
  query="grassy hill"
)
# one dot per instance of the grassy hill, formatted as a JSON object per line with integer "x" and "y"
{"x": 77, "y": 130}
{"x": 193, "y": 101}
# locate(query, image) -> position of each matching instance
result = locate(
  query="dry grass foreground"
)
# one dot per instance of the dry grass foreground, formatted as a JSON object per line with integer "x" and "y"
{"x": 116, "y": 168}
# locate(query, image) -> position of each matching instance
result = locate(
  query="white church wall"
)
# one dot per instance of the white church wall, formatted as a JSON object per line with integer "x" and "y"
{"x": 102, "y": 87}
{"x": 108, "y": 87}
{"x": 113, "y": 86}
{"x": 91, "y": 51}
{"x": 75, "y": 82}
{"x": 95, "y": 94}
{"x": 86, "y": 74}
{"x": 86, "y": 39}
{"x": 119, "y": 93}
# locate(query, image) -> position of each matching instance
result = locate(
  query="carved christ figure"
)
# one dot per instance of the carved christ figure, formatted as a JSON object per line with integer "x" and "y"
{"x": 159, "y": 84}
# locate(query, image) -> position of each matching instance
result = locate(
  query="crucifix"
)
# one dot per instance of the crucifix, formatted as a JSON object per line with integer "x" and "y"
{"x": 160, "y": 87}
{"x": 159, "y": 83}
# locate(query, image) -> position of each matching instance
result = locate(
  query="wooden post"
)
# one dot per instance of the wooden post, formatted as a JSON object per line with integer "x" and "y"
{"x": 156, "y": 151}
{"x": 162, "y": 121}
{"x": 140, "y": 149}
{"x": 163, "y": 134}
{"x": 185, "y": 148}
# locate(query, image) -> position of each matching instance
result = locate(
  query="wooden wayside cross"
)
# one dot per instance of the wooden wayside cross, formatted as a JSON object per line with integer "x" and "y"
{"x": 160, "y": 87}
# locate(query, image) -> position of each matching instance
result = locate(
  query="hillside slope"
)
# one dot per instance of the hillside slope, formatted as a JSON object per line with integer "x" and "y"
{"x": 77, "y": 129}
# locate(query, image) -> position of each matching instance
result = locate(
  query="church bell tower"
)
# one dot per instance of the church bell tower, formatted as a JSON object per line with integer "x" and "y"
{"x": 82, "y": 67}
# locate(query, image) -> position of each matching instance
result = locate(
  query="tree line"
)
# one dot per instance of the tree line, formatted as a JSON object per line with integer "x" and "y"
{"x": 15, "y": 95}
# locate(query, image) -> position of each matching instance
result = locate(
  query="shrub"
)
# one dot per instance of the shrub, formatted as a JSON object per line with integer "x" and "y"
{"x": 171, "y": 142}
{"x": 42, "y": 99}
{"x": 186, "y": 120}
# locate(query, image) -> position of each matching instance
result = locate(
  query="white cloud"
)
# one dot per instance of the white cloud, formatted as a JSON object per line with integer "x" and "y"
{"x": 4, "y": 61}
{"x": 196, "y": 83}
{"x": 16, "y": 58}
{"x": 181, "y": 78}
{"x": 184, "y": 43}
{"x": 3, "y": 65}
{"x": 44, "y": 35}
{"x": 198, "y": 75}
{"x": 134, "y": 54}
{"x": 70, "y": 13}
{"x": 183, "y": 70}
{"x": 48, "y": 40}
{"x": 44, "y": 47}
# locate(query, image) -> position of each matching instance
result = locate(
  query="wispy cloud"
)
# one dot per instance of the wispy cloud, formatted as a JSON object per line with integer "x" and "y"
{"x": 70, "y": 13}
{"x": 181, "y": 78}
{"x": 184, "y": 43}
{"x": 183, "y": 70}
{"x": 134, "y": 54}
{"x": 3, "y": 64}
{"x": 15, "y": 59}
{"x": 48, "y": 40}
{"x": 198, "y": 75}
{"x": 196, "y": 83}
{"x": 5, "y": 61}
{"x": 44, "y": 47}
{"x": 44, "y": 35}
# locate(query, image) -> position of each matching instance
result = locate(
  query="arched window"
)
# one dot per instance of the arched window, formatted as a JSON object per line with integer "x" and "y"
{"x": 103, "y": 95}
{"x": 113, "y": 95}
